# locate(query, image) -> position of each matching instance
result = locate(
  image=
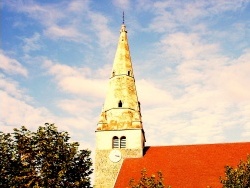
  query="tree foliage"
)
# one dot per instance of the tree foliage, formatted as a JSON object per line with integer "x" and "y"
{"x": 148, "y": 182}
{"x": 238, "y": 177}
{"x": 44, "y": 158}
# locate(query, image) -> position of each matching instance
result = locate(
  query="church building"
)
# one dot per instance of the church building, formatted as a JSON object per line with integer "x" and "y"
{"x": 121, "y": 153}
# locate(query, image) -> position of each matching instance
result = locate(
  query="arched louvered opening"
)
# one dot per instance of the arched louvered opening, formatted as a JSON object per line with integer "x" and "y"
{"x": 120, "y": 103}
{"x": 115, "y": 142}
{"x": 123, "y": 142}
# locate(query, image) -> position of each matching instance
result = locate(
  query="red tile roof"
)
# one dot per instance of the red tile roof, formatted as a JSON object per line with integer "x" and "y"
{"x": 184, "y": 166}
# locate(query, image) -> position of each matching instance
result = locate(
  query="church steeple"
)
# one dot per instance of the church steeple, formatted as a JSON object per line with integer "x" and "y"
{"x": 121, "y": 109}
{"x": 119, "y": 133}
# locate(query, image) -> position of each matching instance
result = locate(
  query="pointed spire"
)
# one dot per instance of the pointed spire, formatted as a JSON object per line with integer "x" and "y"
{"x": 121, "y": 109}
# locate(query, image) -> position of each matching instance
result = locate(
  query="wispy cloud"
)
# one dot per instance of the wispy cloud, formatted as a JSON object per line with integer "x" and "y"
{"x": 147, "y": 89}
{"x": 102, "y": 31}
{"x": 78, "y": 5}
{"x": 75, "y": 80}
{"x": 72, "y": 20}
{"x": 75, "y": 106}
{"x": 12, "y": 66}
{"x": 16, "y": 107}
{"x": 184, "y": 46}
{"x": 19, "y": 108}
{"x": 16, "y": 112}
{"x": 122, "y": 4}
{"x": 51, "y": 18}
{"x": 11, "y": 87}
{"x": 206, "y": 92}
{"x": 32, "y": 43}
{"x": 192, "y": 59}
{"x": 214, "y": 99}
{"x": 174, "y": 15}
{"x": 66, "y": 32}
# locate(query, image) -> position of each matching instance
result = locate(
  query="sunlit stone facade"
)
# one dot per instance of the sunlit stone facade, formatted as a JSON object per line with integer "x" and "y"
{"x": 119, "y": 128}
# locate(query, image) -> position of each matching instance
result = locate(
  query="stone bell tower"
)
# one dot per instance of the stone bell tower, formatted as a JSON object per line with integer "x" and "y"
{"x": 119, "y": 132}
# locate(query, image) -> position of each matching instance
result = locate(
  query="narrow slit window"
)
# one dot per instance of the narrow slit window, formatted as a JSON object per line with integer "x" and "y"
{"x": 120, "y": 104}
{"x": 123, "y": 142}
{"x": 115, "y": 142}
{"x": 128, "y": 73}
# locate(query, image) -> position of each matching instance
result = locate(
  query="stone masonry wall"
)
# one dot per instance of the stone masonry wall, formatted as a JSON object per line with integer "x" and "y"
{"x": 107, "y": 171}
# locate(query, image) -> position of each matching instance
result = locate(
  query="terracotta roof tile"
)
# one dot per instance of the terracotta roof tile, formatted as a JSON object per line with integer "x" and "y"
{"x": 185, "y": 165}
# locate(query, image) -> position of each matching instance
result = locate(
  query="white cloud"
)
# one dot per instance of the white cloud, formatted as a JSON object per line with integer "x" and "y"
{"x": 17, "y": 108}
{"x": 76, "y": 80}
{"x": 216, "y": 7}
{"x": 54, "y": 19}
{"x": 32, "y": 43}
{"x": 78, "y": 5}
{"x": 81, "y": 85}
{"x": 68, "y": 20}
{"x": 196, "y": 94}
{"x": 122, "y": 4}
{"x": 17, "y": 112}
{"x": 66, "y": 32}
{"x": 213, "y": 94}
{"x": 245, "y": 117}
{"x": 46, "y": 14}
{"x": 234, "y": 79}
{"x": 11, "y": 87}
{"x": 101, "y": 29}
{"x": 184, "y": 46}
{"x": 146, "y": 92}
{"x": 144, "y": 5}
{"x": 172, "y": 15}
{"x": 77, "y": 107}
{"x": 11, "y": 66}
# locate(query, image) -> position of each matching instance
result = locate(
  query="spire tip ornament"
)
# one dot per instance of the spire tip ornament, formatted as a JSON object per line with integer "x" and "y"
{"x": 123, "y": 17}
{"x": 123, "y": 27}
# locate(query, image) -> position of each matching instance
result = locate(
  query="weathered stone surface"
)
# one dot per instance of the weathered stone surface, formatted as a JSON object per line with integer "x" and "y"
{"x": 106, "y": 170}
{"x": 120, "y": 118}
{"x": 121, "y": 108}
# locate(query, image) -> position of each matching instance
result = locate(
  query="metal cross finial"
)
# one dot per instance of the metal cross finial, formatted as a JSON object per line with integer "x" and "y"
{"x": 123, "y": 17}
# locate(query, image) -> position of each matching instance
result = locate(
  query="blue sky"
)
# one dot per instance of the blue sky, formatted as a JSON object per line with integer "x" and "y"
{"x": 191, "y": 62}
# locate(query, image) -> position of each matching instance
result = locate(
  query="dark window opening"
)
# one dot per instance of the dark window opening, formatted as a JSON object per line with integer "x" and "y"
{"x": 128, "y": 73}
{"x": 123, "y": 142}
{"x": 120, "y": 104}
{"x": 115, "y": 142}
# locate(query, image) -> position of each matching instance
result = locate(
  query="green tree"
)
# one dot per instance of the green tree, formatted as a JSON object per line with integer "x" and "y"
{"x": 44, "y": 158}
{"x": 238, "y": 177}
{"x": 148, "y": 182}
